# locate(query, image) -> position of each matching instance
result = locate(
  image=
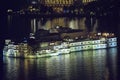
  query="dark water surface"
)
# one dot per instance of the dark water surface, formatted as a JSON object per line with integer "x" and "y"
{"x": 101, "y": 64}
{"x": 20, "y": 26}
{"x": 86, "y": 65}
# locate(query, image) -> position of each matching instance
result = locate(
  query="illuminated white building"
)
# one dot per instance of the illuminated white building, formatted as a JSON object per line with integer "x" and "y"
{"x": 63, "y": 2}
{"x": 87, "y": 1}
{"x": 56, "y": 2}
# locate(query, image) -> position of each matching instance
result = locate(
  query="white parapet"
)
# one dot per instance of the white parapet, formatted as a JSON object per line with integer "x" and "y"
{"x": 112, "y": 44}
{"x": 112, "y": 39}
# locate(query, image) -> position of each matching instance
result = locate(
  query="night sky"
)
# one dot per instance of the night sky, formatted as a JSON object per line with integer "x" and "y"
{"x": 14, "y": 4}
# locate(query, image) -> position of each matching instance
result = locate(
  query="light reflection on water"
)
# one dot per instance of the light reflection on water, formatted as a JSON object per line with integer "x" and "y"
{"x": 85, "y": 65}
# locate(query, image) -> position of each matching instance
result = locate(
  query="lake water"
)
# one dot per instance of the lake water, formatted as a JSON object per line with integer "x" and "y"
{"x": 20, "y": 26}
{"x": 86, "y": 65}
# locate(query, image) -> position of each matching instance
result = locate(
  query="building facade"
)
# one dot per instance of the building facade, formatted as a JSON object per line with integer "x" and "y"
{"x": 63, "y": 2}
{"x": 56, "y": 2}
{"x": 58, "y": 5}
{"x": 87, "y": 1}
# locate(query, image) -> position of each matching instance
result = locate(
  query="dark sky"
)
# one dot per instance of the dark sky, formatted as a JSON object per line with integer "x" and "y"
{"x": 14, "y": 4}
